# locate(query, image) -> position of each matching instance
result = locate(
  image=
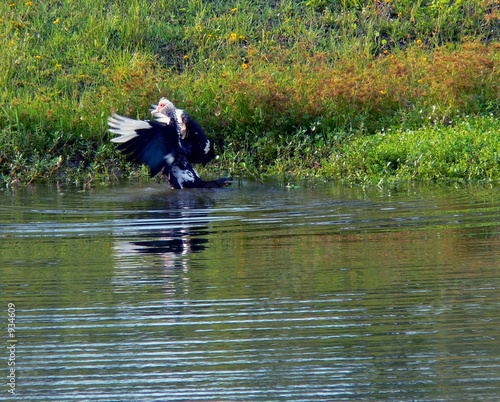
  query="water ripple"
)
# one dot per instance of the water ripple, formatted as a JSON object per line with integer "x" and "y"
{"x": 257, "y": 293}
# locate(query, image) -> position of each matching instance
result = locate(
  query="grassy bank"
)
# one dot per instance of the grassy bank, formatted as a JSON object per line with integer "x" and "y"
{"x": 359, "y": 91}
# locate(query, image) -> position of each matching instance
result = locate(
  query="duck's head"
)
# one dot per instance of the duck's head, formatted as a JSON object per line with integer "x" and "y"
{"x": 164, "y": 107}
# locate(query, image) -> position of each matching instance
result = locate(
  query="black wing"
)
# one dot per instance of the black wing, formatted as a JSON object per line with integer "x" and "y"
{"x": 198, "y": 148}
{"x": 154, "y": 143}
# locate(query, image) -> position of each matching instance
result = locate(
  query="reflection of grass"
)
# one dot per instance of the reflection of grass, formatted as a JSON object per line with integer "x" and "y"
{"x": 288, "y": 86}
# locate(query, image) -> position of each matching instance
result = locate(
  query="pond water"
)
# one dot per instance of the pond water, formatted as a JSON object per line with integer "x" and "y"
{"x": 256, "y": 292}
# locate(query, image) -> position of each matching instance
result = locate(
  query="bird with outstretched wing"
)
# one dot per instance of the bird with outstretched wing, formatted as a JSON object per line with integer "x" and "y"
{"x": 169, "y": 144}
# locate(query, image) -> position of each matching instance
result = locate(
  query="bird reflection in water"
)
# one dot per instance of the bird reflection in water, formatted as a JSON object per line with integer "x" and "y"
{"x": 167, "y": 238}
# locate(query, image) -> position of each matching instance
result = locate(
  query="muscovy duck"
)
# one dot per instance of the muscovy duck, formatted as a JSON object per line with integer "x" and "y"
{"x": 167, "y": 144}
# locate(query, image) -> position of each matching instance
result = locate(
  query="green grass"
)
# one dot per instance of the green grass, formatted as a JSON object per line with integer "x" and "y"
{"x": 289, "y": 88}
{"x": 466, "y": 151}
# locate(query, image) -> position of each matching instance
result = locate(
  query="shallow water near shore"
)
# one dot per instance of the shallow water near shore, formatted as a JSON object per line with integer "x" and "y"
{"x": 256, "y": 292}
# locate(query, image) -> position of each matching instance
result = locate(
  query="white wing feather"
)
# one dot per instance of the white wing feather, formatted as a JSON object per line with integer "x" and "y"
{"x": 125, "y": 127}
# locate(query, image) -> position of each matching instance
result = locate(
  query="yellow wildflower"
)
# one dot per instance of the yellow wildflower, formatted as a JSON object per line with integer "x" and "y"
{"x": 244, "y": 66}
{"x": 234, "y": 37}
{"x": 233, "y": 10}
{"x": 28, "y": 3}
{"x": 56, "y": 21}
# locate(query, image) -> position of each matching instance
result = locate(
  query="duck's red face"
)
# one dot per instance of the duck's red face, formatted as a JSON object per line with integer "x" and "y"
{"x": 163, "y": 105}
